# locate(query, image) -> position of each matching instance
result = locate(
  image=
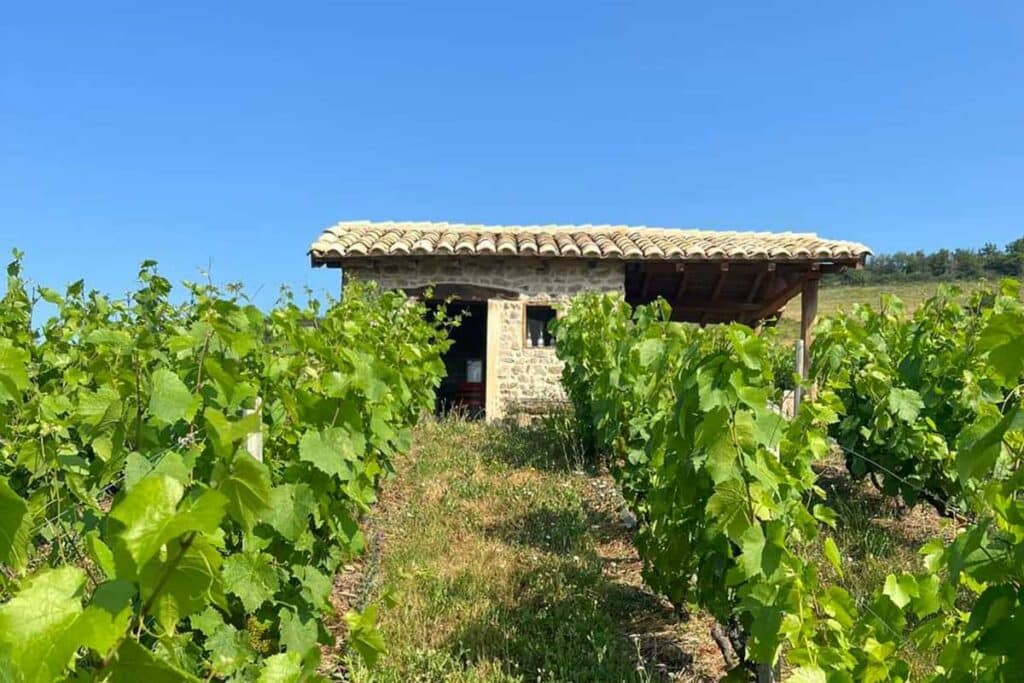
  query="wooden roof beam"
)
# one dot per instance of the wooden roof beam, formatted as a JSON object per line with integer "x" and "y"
{"x": 790, "y": 291}
{"x": 725, "y": 307}
{"x": 755, "y": 288}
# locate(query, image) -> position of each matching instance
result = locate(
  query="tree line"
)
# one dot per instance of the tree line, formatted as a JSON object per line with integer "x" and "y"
{"x": 945, "y": 264}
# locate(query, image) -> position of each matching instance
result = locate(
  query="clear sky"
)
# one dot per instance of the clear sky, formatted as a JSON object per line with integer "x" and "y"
{"x": 229, "y": 135}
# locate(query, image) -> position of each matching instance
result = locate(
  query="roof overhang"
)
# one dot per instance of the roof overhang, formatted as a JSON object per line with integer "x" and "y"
{"x": 360, "y": 240}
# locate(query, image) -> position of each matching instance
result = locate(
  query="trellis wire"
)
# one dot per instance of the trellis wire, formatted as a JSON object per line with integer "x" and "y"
{"x": 65, "y": 533}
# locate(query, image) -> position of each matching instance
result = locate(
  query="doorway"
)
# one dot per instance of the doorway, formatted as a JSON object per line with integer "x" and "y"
{"x": 464, "y": 387}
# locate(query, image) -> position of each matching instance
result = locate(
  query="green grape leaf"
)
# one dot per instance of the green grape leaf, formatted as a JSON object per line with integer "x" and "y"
{"x": 807, "y": 674}
{"x": 191, "y": 584}
{"x": 229, "y": 650}
{"x": 14, "y": 379}
{"x": 107, "y": 617}
{"x": 363, "y": 634}
{"x": 148, "y": 517}
{"x": 99, "y": 407}
{"x": 15, "y": 527}
{"x": 993, "y": 606}
{"x": 1001, "y": 338}
{"x": 36, "y": 624}
{"x": 170, "y": 400}
{"x": 1004, "y": 638}
{"x": 316, "y": 587}
{"x": 223, "y": 433}
{"x": 731, "y": 508}
{"x": 137, "y": 467}
{"x": 906, "y": 403}
{"x": 281, "y": 668}
{"x": 296, "y": 635}
{"x": 769, "y": 427}
{"x": 100, "y": 553}
{"x": 764, "y": 641}
{"x": 252, "y": 578}
{"x": 247, "y": 488}
{"x": 839, "y": 605}
{"x": 207, "y": 622}
{"x": 928, "y": 599}
{"x": 109, "y": 339}
{"x": 134, "y": 663}
{"x": 901, "y": 590}
{"x": 832, "y": 554}
{"x": 649, "y": 351}
{"x": 290, "y": 508}
{"x": 752, "y": 544}
{"x": 980, "y": 444}
{"x": 332, "y": 451}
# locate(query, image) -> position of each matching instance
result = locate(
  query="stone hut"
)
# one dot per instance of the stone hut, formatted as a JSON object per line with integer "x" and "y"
{"x": 509, "y": 281}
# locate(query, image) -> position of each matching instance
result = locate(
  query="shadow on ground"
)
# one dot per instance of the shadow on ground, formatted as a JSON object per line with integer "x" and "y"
{"x": 549, "y": 443}
{"x": 569, "y": 623}
{"x": 562, "y": 530}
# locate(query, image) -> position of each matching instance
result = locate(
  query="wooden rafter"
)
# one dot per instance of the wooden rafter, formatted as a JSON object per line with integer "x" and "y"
{"x": 775, "y": 303}
{"x": 755, "y": 288}
{"x": 723, "y": 272}
{"x": 677, "y": 298}
{"x": 719, "y": 282}
{"x": 645, "y": 287}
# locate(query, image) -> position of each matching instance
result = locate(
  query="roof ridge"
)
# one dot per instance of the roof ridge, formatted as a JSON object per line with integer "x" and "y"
{"x": 568, "y": 227}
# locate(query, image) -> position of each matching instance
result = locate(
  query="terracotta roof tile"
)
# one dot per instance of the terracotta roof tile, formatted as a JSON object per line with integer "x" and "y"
{"x": 359, "y": 239}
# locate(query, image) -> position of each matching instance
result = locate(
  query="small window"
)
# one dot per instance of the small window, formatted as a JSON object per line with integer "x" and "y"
{"x": 537, "y": 333}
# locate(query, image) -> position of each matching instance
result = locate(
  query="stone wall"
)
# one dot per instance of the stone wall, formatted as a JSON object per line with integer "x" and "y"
{"x": 519, "y": 377}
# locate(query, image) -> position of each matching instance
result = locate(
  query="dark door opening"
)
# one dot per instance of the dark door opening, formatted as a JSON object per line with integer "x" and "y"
{"x": 464, "y": 387}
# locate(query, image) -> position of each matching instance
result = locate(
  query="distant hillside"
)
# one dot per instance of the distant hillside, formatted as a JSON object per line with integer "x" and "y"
{"x": 838, "y": 296}
{"x": 911, "y": 276}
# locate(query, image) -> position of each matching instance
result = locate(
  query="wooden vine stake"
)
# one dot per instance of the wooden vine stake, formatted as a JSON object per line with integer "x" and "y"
{"x": 254, "y": 441}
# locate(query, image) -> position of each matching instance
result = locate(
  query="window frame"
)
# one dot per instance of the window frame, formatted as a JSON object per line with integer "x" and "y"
{"x": 525, "y": 337}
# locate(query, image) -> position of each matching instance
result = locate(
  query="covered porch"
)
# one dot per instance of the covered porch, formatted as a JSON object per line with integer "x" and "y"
{"x": 749, "y": 292}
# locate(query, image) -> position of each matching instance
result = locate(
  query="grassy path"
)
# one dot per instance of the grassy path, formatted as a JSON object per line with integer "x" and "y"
{"x": 510, "y": 561}
{"x": 508, "y": 568}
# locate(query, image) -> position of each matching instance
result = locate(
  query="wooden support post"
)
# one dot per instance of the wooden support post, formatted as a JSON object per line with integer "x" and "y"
{"x": 808, "y": 314}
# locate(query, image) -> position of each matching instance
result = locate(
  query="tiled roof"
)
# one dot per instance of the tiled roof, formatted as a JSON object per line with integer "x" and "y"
{"x": 359, "y": 239}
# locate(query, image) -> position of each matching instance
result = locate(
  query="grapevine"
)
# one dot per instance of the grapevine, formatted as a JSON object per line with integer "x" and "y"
{"x": 725, "y": 495}
{"x": 138, "y": 535}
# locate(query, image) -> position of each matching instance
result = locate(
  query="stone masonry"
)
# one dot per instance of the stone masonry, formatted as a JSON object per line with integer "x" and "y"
{"x": 519, "y": 377}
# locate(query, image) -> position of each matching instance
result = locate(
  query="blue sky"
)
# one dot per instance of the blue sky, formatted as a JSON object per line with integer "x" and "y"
{"x": 229, "y": 135}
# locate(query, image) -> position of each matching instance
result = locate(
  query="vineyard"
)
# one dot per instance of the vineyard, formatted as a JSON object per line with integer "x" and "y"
{"x": 726, "y": 492}
{"x": 142, "y": 536}
{"x": 181, "y": 484}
